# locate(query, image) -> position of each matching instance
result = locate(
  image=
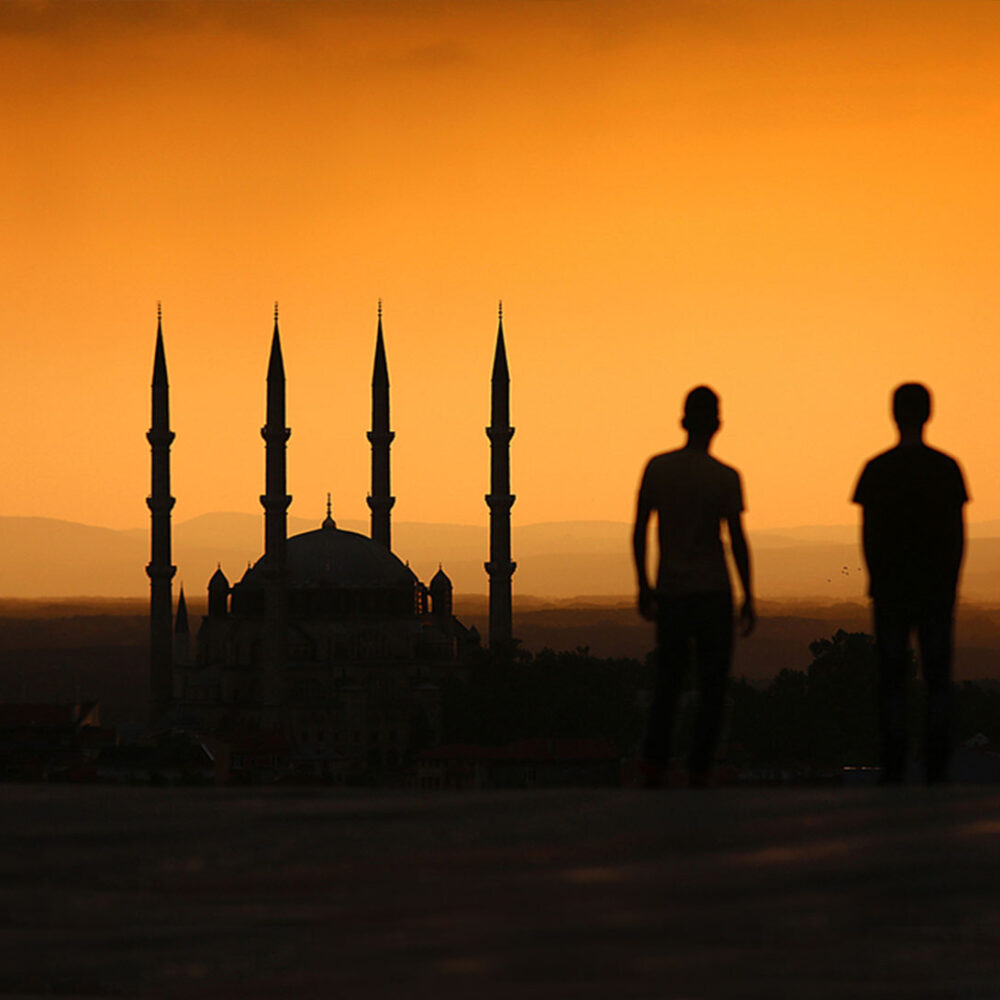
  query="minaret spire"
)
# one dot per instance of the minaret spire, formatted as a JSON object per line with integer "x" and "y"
{"x": 160, "y": 569}
{"x": 275, "y": 501}
{"x": 182, "y": 633}
{"x": 181, "y": 622}
{"x": 380, "y": 500}
{"x": 500, "y": 500}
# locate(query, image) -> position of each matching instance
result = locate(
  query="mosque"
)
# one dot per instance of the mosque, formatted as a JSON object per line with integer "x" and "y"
{"x": 329, "y": 638}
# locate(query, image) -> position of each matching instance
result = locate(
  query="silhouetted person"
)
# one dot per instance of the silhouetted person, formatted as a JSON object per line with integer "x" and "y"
{"x": 912, "y": 498}
{"x": 692, "y": 603}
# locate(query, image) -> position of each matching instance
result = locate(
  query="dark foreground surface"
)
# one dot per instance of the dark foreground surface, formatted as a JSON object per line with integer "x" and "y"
{"x": 729, "y": 893}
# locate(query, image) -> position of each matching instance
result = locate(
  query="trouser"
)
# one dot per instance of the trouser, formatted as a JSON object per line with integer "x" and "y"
{"x": 704, "y": 622}
{"x": 932, "y": 621}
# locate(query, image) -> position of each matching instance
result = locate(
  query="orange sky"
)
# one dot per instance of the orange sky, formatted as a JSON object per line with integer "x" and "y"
{"x": 795, "y": 203}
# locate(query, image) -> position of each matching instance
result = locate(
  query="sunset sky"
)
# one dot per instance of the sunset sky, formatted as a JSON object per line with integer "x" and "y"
{"x": 796, "y": 203}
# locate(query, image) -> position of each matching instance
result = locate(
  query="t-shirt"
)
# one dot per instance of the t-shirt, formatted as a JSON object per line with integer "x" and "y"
{"x": 912, "y": 497}
{"x": 691, "y": 493}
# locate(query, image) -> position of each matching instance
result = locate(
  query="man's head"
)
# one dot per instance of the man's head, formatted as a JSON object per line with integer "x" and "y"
{"x": 911, "y": 406}
{"x": 701, "y": 411}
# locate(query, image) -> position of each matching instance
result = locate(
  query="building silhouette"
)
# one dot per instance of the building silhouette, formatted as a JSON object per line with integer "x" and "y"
{"x": 329, "y": 638}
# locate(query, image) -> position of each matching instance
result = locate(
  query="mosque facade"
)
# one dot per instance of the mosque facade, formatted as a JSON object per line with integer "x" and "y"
{"x": 329, "y": 638}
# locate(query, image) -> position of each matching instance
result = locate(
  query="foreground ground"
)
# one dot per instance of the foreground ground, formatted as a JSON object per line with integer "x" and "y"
{"x": 728, "y": 893}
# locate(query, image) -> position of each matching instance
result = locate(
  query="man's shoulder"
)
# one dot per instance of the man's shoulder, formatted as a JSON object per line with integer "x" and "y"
{"x": 919, "y": 456}
{"x": 665, "y": 458}
{"x": 914, "y": 451}
{"x": 879, "y": 470}
{"x": 719, "y": 471}
{"x": 941, "y": 458}
{"x": 687, "y": 469}
{"x": 946, "y": 472}
{"x": 908, "y": 467}
{"x": 690, "y": 458}
{"x": 883, "y": 457}
{"x": 723, "y": 468}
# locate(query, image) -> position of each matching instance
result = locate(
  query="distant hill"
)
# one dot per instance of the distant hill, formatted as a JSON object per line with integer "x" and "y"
{"x": 44, "y": 557}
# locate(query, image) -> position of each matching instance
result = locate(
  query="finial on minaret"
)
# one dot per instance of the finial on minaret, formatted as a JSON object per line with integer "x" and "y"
{"x": 159, "y": 313}
{"x": 380, "y": 312}
{"x": 329, "y": 505}
{"x": 501, "y": 373}
{"x": 500, "y": 311}
{"x": 276, "y": 374}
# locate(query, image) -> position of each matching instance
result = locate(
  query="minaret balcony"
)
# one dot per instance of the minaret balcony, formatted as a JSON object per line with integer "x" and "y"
{"x": 160, "y": 438}
{"x": 500, "y": 501}
{"x": 499, "y": 570}
{"x": 275, "y": 435}
{"x": 279, "y": 503}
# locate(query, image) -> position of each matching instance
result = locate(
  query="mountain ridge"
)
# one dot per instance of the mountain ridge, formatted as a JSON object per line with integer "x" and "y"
{"x": 52, "y": 557}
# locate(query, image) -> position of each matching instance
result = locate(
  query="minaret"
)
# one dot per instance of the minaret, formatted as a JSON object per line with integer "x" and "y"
{"x": 275, "y": 502}
{"x": 160, "y": 569}
{"x": 379, "y": 501}
{"x": 500, "y": 500}
{"x": 182, "y": 633}
{"x": 181, "y": 622}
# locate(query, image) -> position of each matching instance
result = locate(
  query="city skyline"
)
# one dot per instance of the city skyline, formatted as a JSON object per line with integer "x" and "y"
{"x": 794, "y": 205}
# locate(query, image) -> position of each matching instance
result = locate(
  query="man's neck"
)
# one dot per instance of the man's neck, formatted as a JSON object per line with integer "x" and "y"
{"x": 910, "y": 437}
{"x": 698, "y": 442}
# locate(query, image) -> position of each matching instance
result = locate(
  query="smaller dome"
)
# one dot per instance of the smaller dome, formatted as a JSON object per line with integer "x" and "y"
{"x": 218, "y": 581}
{"x": 440, "y": 579}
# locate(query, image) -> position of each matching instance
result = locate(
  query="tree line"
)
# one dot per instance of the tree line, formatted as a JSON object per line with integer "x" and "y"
{"x": 823, "y": 716}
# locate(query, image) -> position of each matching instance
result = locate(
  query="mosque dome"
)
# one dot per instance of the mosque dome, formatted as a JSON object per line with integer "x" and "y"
{"x": 331, "y": 558}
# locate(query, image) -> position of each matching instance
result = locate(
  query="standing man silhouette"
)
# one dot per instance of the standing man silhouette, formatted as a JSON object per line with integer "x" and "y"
{"x": 692, "y": 603}
{"x": 912, "y": 500}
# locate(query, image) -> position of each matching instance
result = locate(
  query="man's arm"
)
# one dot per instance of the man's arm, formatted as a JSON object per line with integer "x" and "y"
{"x": 741, "y": 555}
{"x": 956, "y": 528}
{"x": 876, "y": 527}
{"x": 956, "y": 542}
{"x": 869, "y": 541}
{"x": 873, "y": 529}
{"x": 647, "y": 599}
